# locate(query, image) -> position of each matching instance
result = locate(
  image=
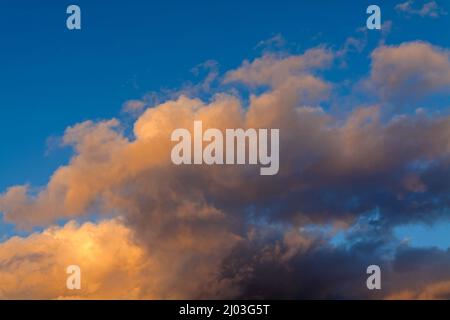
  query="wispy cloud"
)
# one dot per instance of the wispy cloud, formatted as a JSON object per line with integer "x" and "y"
{"x": 428, "y": 9}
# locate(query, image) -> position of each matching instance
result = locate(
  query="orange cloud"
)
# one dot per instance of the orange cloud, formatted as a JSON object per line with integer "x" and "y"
{"x": 409, "y": 71}
{"x": 35, "y": 267}
{"x": 182, "y": 229}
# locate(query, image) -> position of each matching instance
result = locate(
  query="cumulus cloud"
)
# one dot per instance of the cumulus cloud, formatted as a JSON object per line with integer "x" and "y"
{"x": 409, "y": 71}
{"x": 428, "y": 9}
{"x": 219, "y": 231}
{"x": 318, "y": 270}
{"x": 275, "y": 71}
{"x": 35, "y": 267}
{"x": 114, "y": 266}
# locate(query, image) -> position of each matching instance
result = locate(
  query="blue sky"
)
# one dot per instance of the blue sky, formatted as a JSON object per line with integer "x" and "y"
{"x": 351, "y": 191}
{"x": 52, "y": 78}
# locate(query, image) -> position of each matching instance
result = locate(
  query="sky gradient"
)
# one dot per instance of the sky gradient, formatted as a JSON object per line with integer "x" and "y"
{"x": 85, "y": 171}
